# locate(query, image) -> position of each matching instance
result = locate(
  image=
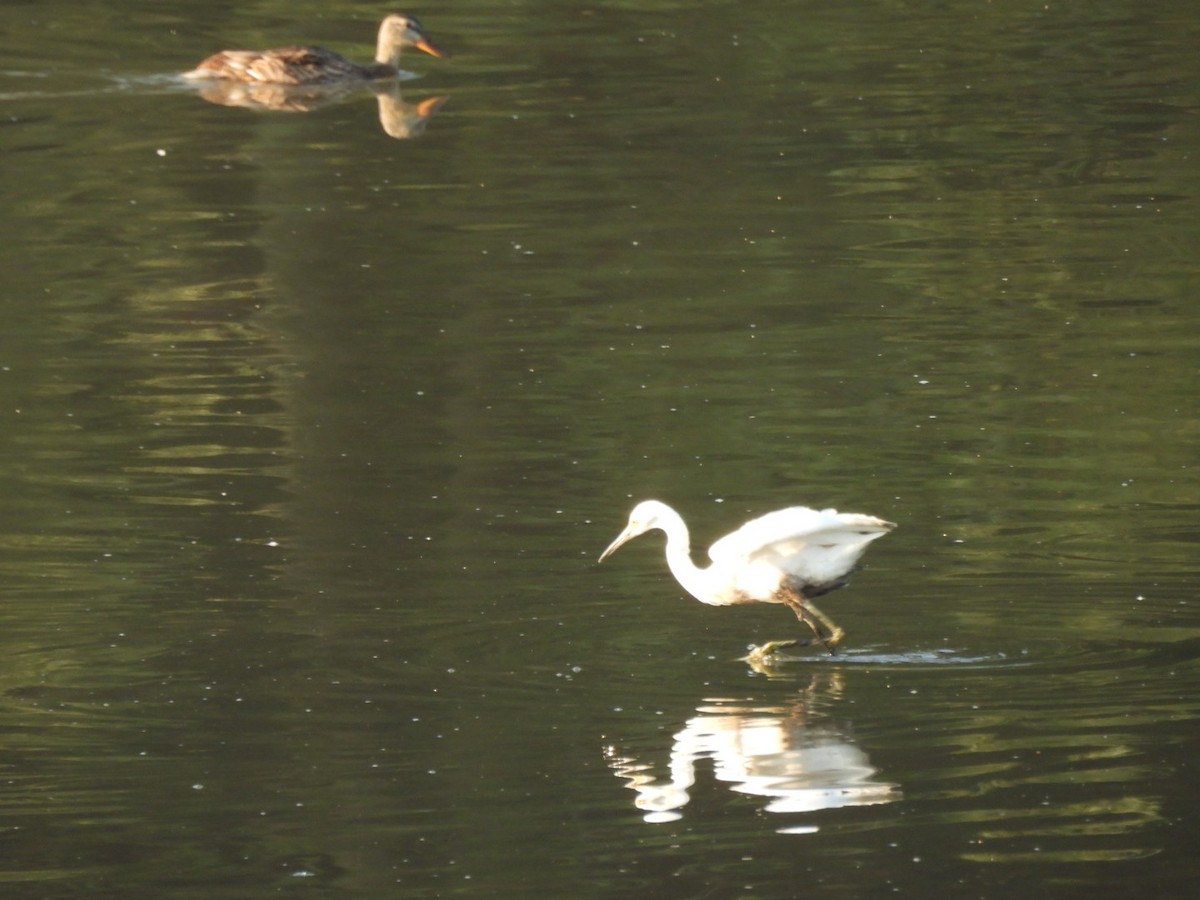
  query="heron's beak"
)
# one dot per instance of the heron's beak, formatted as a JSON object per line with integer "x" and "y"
{"x": 624, "y": 536}
{"x": 424, "y": 43}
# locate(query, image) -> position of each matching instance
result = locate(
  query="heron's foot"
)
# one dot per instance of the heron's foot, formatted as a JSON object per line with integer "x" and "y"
{"x": 833, "y": 640}
{"x": 763, "y": 659}
{"x": 767, "y": 659}
{"x": 771, "y": 646}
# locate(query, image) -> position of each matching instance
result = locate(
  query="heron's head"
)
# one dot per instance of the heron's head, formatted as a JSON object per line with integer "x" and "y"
{"x": 646, "y": 516}
{"x": 399, "y": 31}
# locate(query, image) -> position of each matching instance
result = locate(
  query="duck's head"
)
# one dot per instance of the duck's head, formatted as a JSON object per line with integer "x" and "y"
{"x": 399, "y": 32}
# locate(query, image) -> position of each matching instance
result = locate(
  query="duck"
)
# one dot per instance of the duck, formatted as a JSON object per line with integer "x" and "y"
{"x": 316, "y": 65}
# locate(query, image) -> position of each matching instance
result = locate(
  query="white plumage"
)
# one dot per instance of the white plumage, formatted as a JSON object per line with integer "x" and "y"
{"x": 788, "y": 556}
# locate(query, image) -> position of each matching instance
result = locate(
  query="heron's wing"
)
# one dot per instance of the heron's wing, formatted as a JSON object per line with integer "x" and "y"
{"x": 813, "y": 546}
{"x": 782, "y": 525}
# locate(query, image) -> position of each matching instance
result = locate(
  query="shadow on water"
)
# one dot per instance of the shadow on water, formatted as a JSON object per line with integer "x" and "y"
{"x": 399, "y": 118}
{"x": 776, "y": 664}
{"x": 1089, "y": 656}
{"x": 96, "y": 85}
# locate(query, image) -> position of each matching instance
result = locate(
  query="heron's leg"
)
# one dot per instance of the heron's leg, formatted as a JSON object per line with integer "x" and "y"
{"x": 835, "y": 633}
{"x": 814, "y": 619}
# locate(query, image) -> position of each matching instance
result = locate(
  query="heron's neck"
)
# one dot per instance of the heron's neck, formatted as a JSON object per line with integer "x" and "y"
{"x": 679, "y": 560}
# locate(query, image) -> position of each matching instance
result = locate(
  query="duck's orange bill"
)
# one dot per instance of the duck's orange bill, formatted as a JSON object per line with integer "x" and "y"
{"x": 431, "y": 48}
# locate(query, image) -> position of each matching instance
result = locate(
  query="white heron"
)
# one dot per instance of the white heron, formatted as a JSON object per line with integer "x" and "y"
{"x": 788, "y": 556}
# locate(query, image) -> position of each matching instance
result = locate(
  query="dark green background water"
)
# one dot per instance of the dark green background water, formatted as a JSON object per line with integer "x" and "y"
{"x": 310, "y": 437}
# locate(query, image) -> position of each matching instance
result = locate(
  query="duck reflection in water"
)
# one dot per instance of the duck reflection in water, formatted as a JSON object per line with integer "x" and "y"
{"x": 798, "y": 759}
{"x": 398, "y": 118}
{"x": 302, "y": 79}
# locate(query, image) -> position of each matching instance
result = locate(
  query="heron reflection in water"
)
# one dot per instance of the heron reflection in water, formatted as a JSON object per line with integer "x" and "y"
{"x": 789, "y": 556}
{"x": 795, "y": 757}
